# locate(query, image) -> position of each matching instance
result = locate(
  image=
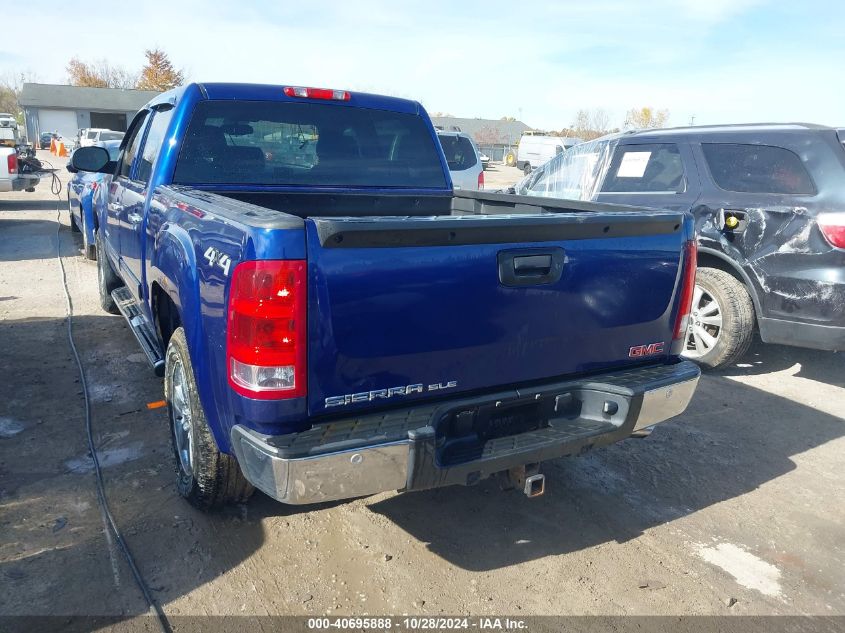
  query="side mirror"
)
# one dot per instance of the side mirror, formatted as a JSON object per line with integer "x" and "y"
{"x": 90, "y": 159}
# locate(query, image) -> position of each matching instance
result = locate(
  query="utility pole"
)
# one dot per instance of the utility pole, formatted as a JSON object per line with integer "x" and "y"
{"x": 692, "y": 120}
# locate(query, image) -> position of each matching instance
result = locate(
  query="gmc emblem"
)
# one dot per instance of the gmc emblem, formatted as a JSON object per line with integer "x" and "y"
{"x": 645, "y": 350}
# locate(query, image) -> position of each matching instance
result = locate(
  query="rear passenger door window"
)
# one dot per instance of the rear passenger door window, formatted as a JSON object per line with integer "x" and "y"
{"x": 647, "y": 168}
{"x": 757, "y": 169}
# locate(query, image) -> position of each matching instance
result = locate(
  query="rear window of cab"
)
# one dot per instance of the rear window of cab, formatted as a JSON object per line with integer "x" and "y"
{"x": 307, "y": 144}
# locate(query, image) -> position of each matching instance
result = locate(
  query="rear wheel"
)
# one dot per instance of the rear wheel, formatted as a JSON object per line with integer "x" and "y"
{"x": 107, "y": 280}
{"x": 206, "y": 477}
{"x": 721, "y": 324}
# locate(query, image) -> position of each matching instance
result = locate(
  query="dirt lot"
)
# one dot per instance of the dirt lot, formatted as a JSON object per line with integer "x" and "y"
{"x": 736, "y": 507}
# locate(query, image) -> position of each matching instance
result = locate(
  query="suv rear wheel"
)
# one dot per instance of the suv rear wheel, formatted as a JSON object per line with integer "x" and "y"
{"x": 721, "y": 324}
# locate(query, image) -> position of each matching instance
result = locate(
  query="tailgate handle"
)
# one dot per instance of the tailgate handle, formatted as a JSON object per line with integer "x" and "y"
{"x": 531, "y": 266}
{"x": 528, "y": 265}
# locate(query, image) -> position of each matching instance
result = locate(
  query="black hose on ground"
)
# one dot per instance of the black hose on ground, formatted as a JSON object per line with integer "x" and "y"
{"x": 155, "y": 609}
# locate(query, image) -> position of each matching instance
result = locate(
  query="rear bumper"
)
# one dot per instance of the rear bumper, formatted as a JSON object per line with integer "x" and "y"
{"x": 413, "y": 449}
{"x": 25, "y": 181}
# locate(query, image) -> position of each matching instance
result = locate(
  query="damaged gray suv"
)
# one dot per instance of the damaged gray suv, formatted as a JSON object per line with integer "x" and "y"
{"x": 769, "y": 204}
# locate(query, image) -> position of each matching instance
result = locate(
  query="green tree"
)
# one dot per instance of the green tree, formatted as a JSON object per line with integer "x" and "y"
{"x": 159, "y": 73}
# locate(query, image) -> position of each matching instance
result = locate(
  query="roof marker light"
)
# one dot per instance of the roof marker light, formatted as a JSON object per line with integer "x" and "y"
{"x": 317, "y": 93}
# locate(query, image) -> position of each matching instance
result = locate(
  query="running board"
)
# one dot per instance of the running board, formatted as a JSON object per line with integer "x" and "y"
{"x": 140, "y": 328}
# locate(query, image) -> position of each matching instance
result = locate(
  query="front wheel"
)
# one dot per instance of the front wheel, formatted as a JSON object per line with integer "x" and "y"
{"x": 107, "y": 280}
{"x": 73, "y": 226}
{"x": 89, "y": 249}
{"x": 721, "y": 324}
{"x": 206, "y": 477}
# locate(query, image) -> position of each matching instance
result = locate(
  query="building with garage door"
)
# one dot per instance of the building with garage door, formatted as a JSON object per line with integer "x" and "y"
{"x": 68, "y": 109}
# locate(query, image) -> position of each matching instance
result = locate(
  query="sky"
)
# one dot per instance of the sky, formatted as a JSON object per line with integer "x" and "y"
{"x": 719, "y": 61}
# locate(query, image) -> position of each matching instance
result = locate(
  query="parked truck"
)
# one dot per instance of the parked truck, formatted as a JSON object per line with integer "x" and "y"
{"x": 332, "y": 320}
{"x": 11, "y": 178}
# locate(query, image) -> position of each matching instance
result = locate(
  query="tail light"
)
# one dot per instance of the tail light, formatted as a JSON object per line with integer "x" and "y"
{"x": 265, "y": 345}
{"x": 317, "y": 93}
{"x": 12, "y": 163}
{"x": 481, "y": 180}
{"x": 687, "y": 288}
{"x": 832, "y": 226}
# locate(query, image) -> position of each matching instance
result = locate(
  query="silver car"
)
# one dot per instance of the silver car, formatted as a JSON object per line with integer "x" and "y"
{"x": 463, "y": 160}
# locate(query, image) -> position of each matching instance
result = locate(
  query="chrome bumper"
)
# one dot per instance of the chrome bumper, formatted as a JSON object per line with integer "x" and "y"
{"x": 326, "y": 477}
{"x": 409, "y": 463}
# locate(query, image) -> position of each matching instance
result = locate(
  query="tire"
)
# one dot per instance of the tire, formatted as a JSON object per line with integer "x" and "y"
{"x": 721, "y": 325}
{"x": 205, "y": 477}
{"x": 90, "y": 250}
{"x": 107, "y": 279}
{"x": 73, "y": 226}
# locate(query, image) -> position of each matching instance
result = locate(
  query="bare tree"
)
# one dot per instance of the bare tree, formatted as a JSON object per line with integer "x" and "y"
{"x": 590, "y": 124}
{"x": 646, "y": 117}
{"x": 10, "y": 90}
{"x": 99, "y": 74}
{"x": 487, "y": 135}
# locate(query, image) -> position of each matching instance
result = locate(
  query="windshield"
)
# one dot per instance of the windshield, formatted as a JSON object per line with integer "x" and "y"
{"x": 111, "y": 136}
{"x": 310, "y": 144}
{"x": 574, "y": 174}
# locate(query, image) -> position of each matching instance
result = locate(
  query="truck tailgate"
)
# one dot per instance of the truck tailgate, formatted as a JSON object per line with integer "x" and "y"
{"x": 402, "y": 309}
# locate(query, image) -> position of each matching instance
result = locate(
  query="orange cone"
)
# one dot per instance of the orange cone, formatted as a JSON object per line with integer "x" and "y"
{"x": 62, "y": 150}
{"x": 52, "y": 146}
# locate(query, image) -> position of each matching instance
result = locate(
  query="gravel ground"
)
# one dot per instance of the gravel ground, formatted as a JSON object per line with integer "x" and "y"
{"x": 736, "y": 507}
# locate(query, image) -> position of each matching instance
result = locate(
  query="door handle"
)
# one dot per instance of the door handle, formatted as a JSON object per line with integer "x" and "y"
{"x": 134, "y": 218}
{"x": 531, "y": 266}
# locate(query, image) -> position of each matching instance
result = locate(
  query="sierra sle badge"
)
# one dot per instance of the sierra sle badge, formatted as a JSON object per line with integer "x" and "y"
{"x": 390, "y": 392}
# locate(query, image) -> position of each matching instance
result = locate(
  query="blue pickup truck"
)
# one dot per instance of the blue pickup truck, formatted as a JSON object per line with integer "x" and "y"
{"x": 332, "y": 320}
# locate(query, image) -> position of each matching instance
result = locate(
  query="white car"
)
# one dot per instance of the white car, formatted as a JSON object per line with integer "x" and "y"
{"x": 93, "y": 135}
{"x": 463, "y": 160}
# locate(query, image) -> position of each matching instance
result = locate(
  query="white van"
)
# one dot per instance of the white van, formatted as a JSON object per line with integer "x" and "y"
{"x": 536, "y": 149}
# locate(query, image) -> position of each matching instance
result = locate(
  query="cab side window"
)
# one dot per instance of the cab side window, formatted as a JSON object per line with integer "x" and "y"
{"x": 132, "y": 146}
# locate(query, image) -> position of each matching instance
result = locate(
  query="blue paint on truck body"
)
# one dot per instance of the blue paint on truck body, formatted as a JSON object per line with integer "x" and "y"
{"x": 382, "y": 315}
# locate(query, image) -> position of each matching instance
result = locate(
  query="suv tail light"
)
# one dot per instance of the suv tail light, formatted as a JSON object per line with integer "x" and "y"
{"x": 687, "y": 289}
{"x": 266, "y": 339}
{"x": 12, "y": 163}
{"x": 832, "y": 226}
{"x": 481, "y": 180}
